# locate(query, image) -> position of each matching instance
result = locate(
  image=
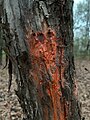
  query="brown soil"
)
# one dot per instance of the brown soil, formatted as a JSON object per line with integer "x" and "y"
{"x": 9, "y": 105}
{"x": 83, "y": 79}
{"x": 11, "y": 110}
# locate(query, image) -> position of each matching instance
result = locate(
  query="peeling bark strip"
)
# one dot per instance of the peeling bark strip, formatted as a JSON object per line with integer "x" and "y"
{"x": 41, "y": 49}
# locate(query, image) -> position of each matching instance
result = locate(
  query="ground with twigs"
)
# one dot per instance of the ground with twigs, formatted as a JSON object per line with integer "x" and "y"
{"x": 83, "y": 79}
{"x": 9, "y": 105}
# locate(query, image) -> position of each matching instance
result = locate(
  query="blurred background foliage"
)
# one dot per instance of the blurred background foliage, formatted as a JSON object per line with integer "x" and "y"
{"x": 82, "y": 29}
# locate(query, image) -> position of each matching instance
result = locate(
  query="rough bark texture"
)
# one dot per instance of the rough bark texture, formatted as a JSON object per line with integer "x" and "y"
{"x": 38, "y": 37}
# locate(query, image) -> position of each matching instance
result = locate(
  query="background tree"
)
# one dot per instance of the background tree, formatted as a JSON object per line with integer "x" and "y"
{"x": 1, "y": 41}
{"x": 0, "y": 49}
{"x": 38, "y": 38}
{"x": 82, "y": 26}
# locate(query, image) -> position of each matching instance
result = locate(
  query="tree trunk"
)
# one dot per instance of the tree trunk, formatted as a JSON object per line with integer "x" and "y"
{"x": 38, "y": 39}
{"x": 88, "y": 25}
{"x": 0, "y": 56}
{"x": 1, "y": 41}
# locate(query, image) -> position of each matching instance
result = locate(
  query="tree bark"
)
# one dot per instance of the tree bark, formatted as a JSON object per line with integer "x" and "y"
{"x": 38, "y": 37}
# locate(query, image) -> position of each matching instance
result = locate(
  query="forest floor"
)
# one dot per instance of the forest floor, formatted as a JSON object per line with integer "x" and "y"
{"x": 10, "y": 108}
{"x": 83, "y": 80}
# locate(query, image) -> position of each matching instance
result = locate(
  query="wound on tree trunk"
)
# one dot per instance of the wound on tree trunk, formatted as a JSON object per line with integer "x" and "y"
{"x": 47, "y": 75}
